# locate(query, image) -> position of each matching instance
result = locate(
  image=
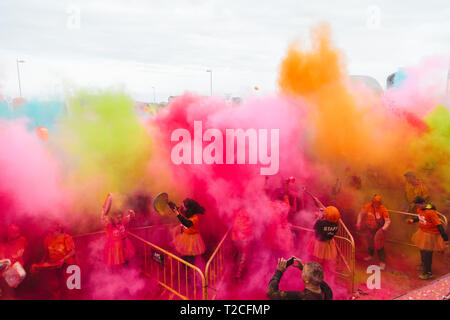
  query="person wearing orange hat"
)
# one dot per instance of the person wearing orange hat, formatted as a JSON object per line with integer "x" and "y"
{"x": 414, "y": 187}
{"x": 430, "y": 237}
{"x": 242, "y": 235}
{"x": 59, "y": 253}
{"x": 376, "y": 217}
{"x": 322, "y": 245}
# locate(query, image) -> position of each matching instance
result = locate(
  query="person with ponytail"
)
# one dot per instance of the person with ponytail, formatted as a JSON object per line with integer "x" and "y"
{"x": 187, "y": 239}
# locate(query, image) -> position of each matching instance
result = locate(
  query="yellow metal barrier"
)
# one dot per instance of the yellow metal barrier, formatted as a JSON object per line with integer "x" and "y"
{"x": 173, "y": 273}
{"x": 400, "y": 232}
{"x": 214, "y": 269}
{"x": 345, "y": 246}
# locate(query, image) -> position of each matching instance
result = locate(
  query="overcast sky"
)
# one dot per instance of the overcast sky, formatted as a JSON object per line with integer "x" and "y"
{"x": 140, "y": 44}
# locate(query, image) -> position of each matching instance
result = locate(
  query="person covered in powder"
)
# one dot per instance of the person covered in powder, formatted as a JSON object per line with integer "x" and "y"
{"x": 321, "y": 245}
{"x": 278, "y": 235}
{"x": 414, "y": 187}
{"x": 187, "y": 239}
{"x": 16, "y": 245}
{"x": 312, "y": 276}
{"x": 59, "y": 253}
{"x": 13, "y": 251}
{"x": 375, "y": 216}
{"x": 242, "y": 235}
{"x": 118, "y": 248}
{"x": 430, "y": 237}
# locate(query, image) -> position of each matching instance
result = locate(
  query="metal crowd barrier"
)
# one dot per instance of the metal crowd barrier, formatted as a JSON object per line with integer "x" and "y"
{"x": 178, "y": 276}
{"x": 214, "y": 269}
{"x": 173, "y": 273}
{"x": 345, "y": 246}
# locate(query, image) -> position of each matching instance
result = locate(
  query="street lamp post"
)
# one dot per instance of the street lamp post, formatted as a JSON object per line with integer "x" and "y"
{"x": 154, "y": 95}
{"x": 18, "y": 75}
{"x": 210, "y": 71}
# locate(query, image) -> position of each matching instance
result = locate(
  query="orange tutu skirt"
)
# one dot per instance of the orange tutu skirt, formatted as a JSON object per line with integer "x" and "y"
{"x": 118, "y": 251}
{"x": 323, "y": 250}
{"x": 428, "y": 241}
{"x": 189, "y": 244}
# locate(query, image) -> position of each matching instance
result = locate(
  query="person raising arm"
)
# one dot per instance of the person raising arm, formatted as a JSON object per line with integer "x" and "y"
{"x": 312, "y": 276}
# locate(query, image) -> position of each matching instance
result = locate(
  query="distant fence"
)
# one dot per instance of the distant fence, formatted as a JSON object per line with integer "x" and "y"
{"x": 173, "y": 273}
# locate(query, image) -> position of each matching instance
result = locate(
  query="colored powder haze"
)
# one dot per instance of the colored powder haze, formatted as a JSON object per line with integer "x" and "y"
{"x": 330, "y": 129}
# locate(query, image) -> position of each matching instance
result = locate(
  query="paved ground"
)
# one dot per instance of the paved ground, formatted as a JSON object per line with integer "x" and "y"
{"x": 400, "y": 275}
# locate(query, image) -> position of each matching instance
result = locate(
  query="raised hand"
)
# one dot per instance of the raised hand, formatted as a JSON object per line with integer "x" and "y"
{"x": 281, "y": 265}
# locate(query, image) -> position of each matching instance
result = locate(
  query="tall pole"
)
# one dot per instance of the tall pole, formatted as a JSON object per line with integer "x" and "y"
{"x": 18, "y": 75}
{"x": 154, "y": 95}
{"x": 210, "y": 71}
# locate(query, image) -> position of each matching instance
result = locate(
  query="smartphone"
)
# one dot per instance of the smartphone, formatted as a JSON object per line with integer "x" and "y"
{"x": 290, "y": 261}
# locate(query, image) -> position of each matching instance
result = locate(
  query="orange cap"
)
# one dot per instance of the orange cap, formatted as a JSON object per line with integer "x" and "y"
{"x": 377, "y": 200}
{"x": 332, "y": 214}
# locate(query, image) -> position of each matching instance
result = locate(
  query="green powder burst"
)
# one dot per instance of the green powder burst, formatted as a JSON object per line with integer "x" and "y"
{"x": 432, "y": 150}
{"x": 107, "y": 144}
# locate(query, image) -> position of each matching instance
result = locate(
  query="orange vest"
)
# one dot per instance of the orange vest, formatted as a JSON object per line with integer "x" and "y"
{"x": 194, "y": 228}
{"x": 374, "y": 214}
{"x": 428, "y": 221}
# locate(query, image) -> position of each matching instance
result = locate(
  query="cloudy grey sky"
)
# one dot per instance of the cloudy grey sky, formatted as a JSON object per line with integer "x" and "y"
{"x": 138, "y": 44}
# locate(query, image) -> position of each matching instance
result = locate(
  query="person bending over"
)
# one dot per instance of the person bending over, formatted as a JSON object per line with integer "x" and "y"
{"x": 312, "y": 276}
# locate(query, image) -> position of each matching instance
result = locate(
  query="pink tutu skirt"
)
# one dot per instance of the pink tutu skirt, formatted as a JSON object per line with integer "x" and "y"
{"x": 118, "y": 252}
{"x": 322, "y": 250}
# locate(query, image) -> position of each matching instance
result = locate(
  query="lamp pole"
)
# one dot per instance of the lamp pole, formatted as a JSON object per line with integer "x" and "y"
{"x": 18, "y": 75}
{"x": 210, "y": 71}
{"x": 154, "y": 95}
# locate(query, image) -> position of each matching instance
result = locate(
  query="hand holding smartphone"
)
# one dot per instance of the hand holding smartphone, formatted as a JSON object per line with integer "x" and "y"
{"x": 291, "y": 261}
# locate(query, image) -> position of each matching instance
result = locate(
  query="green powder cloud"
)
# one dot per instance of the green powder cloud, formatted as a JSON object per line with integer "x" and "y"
{"x": 105, "y": 142}
{"x": 432, "y": 150}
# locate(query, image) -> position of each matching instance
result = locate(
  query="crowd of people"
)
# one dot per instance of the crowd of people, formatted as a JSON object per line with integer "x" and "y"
{"x": 59, "y": 249}
{"x": 374, "y": 220}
